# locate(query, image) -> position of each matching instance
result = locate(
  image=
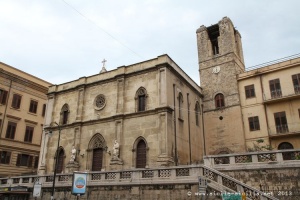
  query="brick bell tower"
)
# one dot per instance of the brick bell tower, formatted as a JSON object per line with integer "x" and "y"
{"x": 220, "y": 60}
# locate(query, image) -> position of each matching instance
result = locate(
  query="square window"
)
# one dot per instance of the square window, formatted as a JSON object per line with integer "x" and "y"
{"x": 275, "y": 88}
{"x": 28, "y": 134}
{"x": 249, "y": 91}
{"x": 281, "y": 122}
{"x": 4, "y": 157}
{"x": 11, "y": 130}
{"x": 296, "y": 82}
{"x": 24, "y": 160}
{"x": 33, "y": 106}
{"x": 254, "y": 123}
{"x": 16, "y": 102}
{"x": 3, "y": 96}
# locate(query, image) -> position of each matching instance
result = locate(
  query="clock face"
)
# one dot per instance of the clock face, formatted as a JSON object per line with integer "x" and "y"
{"x": 216, "y": 70}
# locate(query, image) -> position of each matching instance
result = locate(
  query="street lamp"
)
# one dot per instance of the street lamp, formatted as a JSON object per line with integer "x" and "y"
{"x": 56, "y": 161}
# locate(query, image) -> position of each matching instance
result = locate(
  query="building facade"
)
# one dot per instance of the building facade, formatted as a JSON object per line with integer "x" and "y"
{"x": 144, "y": 115}
{"x": 270, "y": 100}
{"x": 245, "y": 109}
{"x": 22, "y": 109}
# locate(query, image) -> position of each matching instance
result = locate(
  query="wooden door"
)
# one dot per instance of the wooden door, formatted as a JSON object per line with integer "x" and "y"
{"x": 97, "y": 159}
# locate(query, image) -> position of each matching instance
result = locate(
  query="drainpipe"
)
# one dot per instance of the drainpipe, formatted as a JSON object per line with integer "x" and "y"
{"x": 190, "y": 148}
{"x": 175, "y": 131}
{"x": 265, "y": 107}
{"x": 6, "y": 105}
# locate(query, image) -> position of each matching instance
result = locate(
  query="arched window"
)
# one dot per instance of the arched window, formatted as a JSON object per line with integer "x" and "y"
{"x": 180, "y": 104}
{"x": 141, "y": 99}
{"x": 97, "y": 147}
{"x": 286, "y": 155}
{"x": 285, "y": 145}
{"x": 60, "y": 162}
{"x": 64, "y": 114}
{"x": 219, "y": 100}
{"x": 141, "y": 154}
{"x": 197, "y": 113}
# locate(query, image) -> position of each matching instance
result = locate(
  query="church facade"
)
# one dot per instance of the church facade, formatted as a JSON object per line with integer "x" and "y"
{"x": 144, "y": 115}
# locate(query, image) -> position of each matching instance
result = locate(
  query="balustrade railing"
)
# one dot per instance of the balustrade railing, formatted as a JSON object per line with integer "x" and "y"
{"x": 160, "y": 177}
{"x": 253, "y": 157}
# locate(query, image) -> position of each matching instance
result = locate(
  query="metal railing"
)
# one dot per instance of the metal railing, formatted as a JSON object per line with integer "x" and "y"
{"x": 273, "y": 62}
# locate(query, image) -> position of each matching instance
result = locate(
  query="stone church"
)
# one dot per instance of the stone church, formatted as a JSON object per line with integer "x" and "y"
{"x": 143, "y": 115}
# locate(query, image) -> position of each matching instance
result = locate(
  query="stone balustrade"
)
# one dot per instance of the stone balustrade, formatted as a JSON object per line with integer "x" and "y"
{"x": 158, "y": 177}
{"x": 254, "y": 158}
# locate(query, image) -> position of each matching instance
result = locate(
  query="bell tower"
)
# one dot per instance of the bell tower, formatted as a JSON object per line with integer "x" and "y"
{"x": 220, "y": 60}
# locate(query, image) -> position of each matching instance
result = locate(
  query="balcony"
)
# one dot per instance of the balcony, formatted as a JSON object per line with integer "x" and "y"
{"x": 284, "y": 130}
{"x": 297, "y": 89}
{"x": 277, "y": 96}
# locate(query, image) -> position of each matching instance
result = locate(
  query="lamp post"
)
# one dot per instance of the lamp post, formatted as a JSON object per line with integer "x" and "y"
{"x": 56, "y": 161}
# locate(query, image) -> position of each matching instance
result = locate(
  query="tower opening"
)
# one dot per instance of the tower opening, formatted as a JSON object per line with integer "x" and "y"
{"x": 214, "y": 33}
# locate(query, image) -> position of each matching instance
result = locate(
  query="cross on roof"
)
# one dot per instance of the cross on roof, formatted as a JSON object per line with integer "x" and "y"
{"x": 104, "y": 61}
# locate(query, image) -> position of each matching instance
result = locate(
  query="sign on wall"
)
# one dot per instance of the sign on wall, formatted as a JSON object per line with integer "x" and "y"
{"x": 79, "y": 183}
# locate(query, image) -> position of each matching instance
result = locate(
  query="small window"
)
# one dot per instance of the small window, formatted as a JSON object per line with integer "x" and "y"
{"x": 16, "y": 102}
{"x": 28, "y": 134}
{"x": 44, "y": 110}
{"x": 3, "y": 96}
{"x": 275, "y": 88}
{"x": 141, "y": 97}
{"x": 281, "y": 122}
{"x": 180, "y": 105}
{"x": 33, "y": 106}
{"x": 250, "y": 91}
{"x": 254, "y": 123}
{"x": 219, "y": 101}
{"x": 5, "y": 157}
{"x": 64, "y": 114}
{"x": 296, "y": 82}
{"x": 24, "y": 160}
{"x": 11, "y": 130}
{"x": 197, "y": 113}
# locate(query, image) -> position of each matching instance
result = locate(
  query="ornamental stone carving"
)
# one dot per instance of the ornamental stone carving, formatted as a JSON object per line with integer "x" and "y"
{"x": 99, "y": 102}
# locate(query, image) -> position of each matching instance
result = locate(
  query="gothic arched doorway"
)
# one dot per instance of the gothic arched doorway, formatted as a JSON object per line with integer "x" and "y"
{"x": 96, "y": 149}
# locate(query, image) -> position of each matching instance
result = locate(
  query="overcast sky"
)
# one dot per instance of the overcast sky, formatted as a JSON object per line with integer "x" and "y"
{"x": 63, "y": 40}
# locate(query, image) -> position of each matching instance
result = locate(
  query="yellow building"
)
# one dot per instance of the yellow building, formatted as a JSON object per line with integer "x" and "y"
{"x": 22, "y": 109}
{"x": 270, "y": 100}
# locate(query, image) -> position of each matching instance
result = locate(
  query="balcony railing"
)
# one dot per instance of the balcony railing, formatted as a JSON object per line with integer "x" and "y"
{"x": 276, "y": 94}
{"x": 297, "y": 89}
{"x": 282, "y": 128}
{"x": 290, "y": 128}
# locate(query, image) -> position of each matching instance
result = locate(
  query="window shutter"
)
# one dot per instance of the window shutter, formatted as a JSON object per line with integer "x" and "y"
{"x": 29, "y": 164}
{"x": 19, "y": 160}
{"x": 7, "y": 158}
